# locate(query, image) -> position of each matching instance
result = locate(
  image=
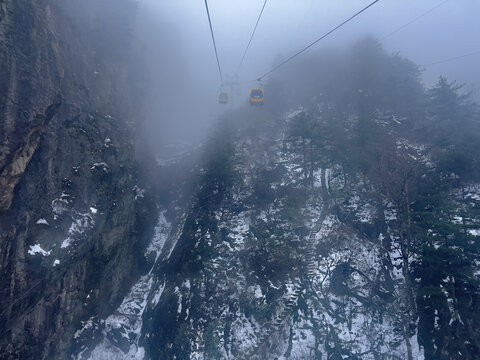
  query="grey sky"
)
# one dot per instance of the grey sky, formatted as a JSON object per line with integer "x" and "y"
{"x": 450, "y": 30}
{"x": 288, "y": 25}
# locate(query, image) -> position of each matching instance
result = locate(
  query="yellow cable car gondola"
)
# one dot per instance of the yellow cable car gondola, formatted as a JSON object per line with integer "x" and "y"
{"x": 256, "y": 96}
{"x": 223, "y": 98}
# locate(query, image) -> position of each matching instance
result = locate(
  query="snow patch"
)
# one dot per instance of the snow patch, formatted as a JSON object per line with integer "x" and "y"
{"x": 100, "y": 165}
{"x": 327, "y": 177}
{"x": 244, "y": 333}
{"x": 59, "y": 206}
{"x": 366, "y": 213}
{"x": 158, "y": 294}
{"x": 66, "y": 243}
{"x": 37, "y": 249}
{"x": 326, "y": 228}
{"x": 79, "y": 226}
{"x": 293, "y": 114}
{"x": 240, "y": 231}
{"x": 180, "y": 298}
{"x": 457, "y": 219}
{"x": 160, "y": 236}
{"x": 256, "y": 290}
{"x": 139, "y": 192}
{"x": 389, "y": 212}
{"x": 107, "y": 351}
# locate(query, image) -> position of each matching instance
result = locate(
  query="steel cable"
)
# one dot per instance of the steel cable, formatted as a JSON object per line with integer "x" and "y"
{"x": 214, "y": 43}
{"x": 251, "y": 37}
{"x": 319, "y": 39}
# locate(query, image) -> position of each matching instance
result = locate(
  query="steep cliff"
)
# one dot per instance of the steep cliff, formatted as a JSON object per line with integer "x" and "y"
{"x": 69, "y": 239}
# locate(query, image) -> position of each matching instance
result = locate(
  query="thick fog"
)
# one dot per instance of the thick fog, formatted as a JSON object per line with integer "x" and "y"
{"x": 183, "y": 75}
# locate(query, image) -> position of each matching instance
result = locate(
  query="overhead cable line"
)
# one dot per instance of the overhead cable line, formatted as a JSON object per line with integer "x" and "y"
{"x": 316, "y": 41}
{"x": 412, "y": 21}
{"x": 214, "y": 44}
{"x": 251, "y": 37}
{"x": 452, "y": 59}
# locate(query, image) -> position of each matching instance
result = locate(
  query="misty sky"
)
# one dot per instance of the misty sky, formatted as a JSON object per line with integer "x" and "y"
{"x": 287, "y": 26}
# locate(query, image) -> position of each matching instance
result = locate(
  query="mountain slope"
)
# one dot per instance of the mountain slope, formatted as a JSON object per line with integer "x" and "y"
{"x": 70, "y": 243}
{"x": 336, "y": 231}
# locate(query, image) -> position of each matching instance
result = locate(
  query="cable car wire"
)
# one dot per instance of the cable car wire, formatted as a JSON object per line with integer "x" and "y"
{"x": 214, "y": 43}
{"x": 412, "y": 21}
{"x": 251, "y": 37}
{"x": 452, "y": 59}
{"x": 319, "y": 39}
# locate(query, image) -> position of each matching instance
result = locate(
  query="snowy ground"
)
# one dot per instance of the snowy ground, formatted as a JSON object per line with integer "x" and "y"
{"x": 121, "y": 330}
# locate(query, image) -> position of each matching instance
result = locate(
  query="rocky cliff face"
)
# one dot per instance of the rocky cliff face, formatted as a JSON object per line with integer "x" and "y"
{"x": 69, "y": 240}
